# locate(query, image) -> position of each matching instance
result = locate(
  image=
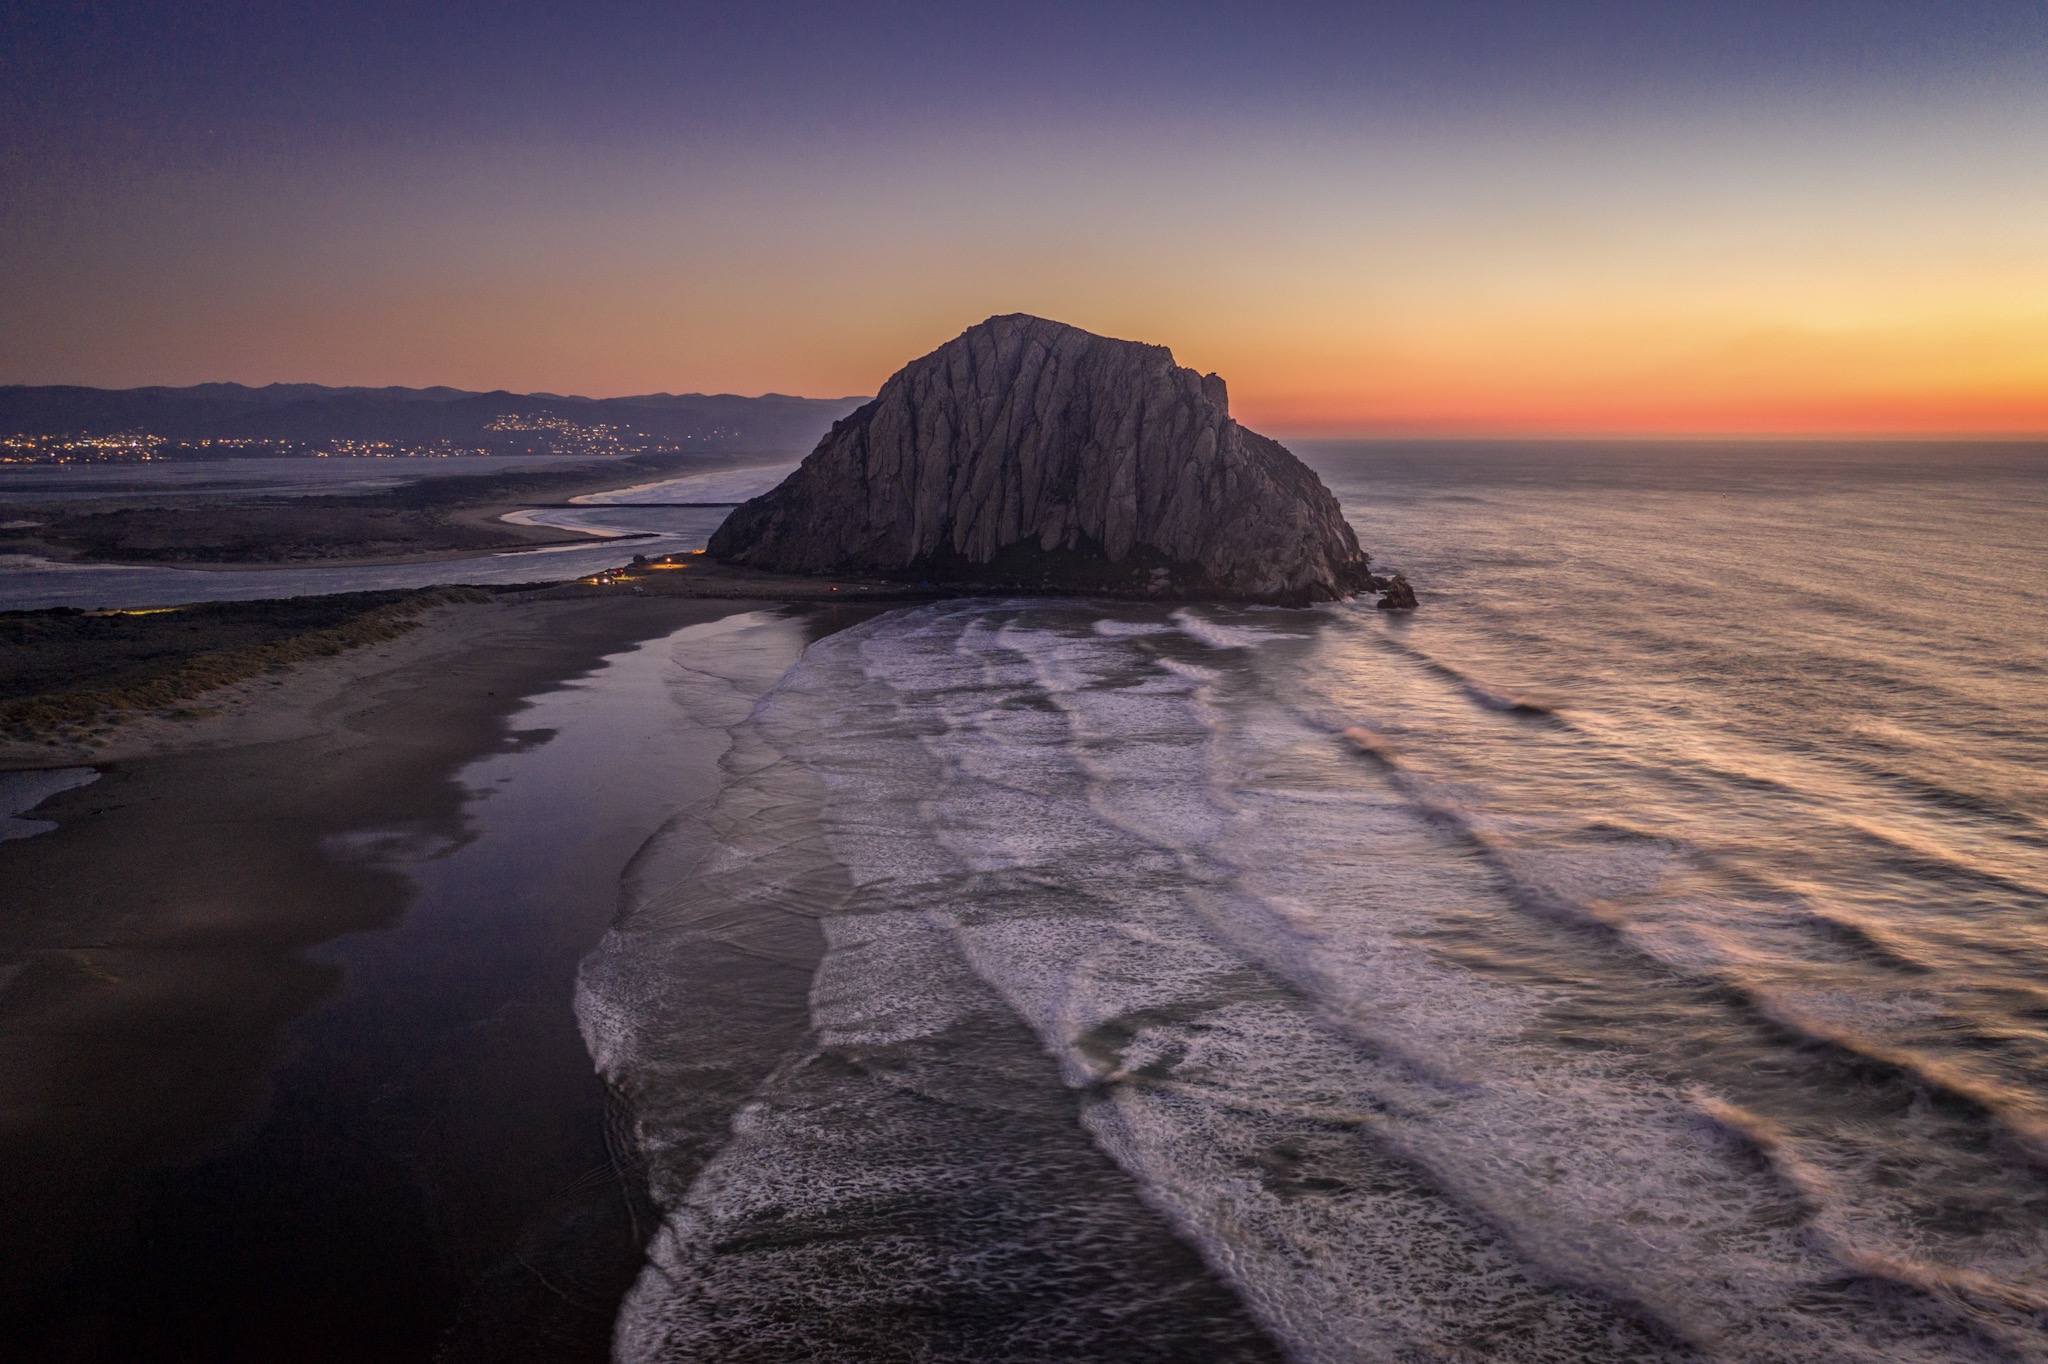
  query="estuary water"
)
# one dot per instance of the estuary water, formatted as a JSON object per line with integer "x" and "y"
{"x": 663, "y": 517}
{"x": 1639, "y": 953}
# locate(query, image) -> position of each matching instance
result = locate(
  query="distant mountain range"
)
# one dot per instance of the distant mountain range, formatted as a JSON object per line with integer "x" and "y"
{"x": 314, "y": 412}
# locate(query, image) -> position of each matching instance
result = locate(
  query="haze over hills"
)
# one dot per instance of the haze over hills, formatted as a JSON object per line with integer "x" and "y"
{"x": 315, "y": 412}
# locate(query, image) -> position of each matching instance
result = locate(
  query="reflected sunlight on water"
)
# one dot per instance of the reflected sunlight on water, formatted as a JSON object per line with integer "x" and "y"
{"x": 1637, "y": 953}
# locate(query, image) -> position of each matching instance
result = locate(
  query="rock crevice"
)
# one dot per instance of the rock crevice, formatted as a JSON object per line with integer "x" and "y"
{"x": 1030, "y": 455}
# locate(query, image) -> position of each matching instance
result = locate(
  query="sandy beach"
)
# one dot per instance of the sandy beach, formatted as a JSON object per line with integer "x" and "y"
{"x": 157, "y": 944}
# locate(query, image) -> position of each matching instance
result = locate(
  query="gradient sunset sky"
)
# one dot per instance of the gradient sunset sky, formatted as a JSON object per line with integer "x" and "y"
{"x": 1436, "y": 217}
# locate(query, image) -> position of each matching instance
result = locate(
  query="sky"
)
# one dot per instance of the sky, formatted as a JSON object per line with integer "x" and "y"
{"x": 1446, "y": 218}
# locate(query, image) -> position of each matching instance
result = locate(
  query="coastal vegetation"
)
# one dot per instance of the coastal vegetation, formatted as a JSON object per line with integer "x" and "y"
{"x": 66, "y": 673}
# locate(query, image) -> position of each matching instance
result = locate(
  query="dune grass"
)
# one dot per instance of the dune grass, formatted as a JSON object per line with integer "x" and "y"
{"x": 66, "y": 672}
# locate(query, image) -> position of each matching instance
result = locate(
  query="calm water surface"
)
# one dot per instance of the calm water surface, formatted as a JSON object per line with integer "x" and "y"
{"x": 1639, "y": 953}
{"x": 639, "y": 520}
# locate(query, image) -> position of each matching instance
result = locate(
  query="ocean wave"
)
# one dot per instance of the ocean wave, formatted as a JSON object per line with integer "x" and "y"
{"x": 1524, "y": 701}
{"x": 1210, "y": 928}
{"x": 1860, "y": 1031}
{"x": 2006, "y": 1313}
{"x": 1142, "y": 788}
{"x": 1217, "y": 634}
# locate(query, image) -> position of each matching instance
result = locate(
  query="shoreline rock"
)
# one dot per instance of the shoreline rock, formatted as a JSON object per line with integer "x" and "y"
{"x": 1032, "y": 456}
{"x": 1395, "y": 593}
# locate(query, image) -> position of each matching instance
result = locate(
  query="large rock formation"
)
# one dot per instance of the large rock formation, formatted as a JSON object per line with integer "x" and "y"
{"x": 1027, "y": 454}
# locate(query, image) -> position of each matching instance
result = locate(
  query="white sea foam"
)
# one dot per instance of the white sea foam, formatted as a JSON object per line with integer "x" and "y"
{"x": 1199, "y": 624}
{"x": 1221, "y": 925}
{"x": 1112, "y": 628}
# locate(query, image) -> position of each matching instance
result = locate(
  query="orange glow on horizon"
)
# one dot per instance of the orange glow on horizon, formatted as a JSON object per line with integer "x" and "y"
{"x": 1730, "y": 279}
{"x": 1338, "y": 415}
{"x": 1507, "y": 409}
{"x": 1682, "y": 376}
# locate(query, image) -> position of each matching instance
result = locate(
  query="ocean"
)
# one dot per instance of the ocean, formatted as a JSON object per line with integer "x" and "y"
{"x": 1638, "y": 953}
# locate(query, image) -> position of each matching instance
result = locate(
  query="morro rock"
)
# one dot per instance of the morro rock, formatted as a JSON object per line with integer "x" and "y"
{"x": 1029, "y": 455}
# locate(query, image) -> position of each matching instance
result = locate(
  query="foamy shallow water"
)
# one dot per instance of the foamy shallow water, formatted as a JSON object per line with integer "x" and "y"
{"x": 22, "y": 792}
{"x": 1636, "y": 955}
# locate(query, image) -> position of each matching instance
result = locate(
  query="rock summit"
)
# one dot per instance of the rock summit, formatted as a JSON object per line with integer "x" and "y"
{"x": 1027, "y": 455}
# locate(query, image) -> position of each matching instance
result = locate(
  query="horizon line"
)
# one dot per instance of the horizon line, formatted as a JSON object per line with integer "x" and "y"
{"x": 1278, "y": 431}
{"x": 2003, "y": 437}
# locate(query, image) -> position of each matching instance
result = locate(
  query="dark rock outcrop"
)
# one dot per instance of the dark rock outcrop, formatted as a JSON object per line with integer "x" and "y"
{"x": 1030, "y": 455}
{"x": 1395, "y": 593}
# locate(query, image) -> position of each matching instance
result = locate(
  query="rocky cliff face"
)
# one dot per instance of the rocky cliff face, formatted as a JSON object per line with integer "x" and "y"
{"x": 1032, "y": 455}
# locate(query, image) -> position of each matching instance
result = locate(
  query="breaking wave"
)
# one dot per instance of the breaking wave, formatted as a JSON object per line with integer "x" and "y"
{"x": 1058, "y": 981}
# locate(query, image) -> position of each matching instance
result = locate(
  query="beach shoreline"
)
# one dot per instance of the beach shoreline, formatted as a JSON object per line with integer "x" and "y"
{"x": 156, "y": 946}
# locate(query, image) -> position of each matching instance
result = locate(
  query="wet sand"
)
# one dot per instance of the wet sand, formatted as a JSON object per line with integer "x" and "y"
{"x": 188, "y": 1172}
